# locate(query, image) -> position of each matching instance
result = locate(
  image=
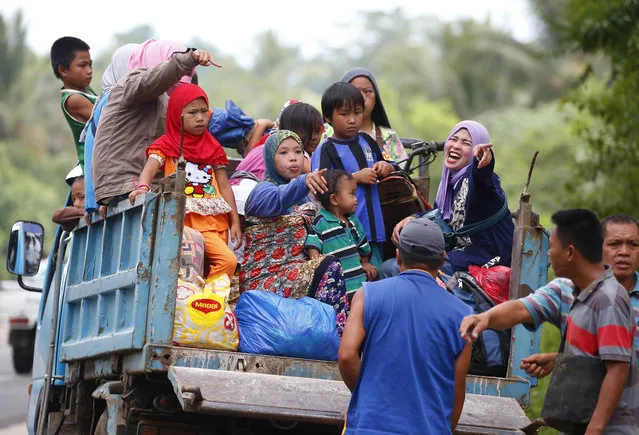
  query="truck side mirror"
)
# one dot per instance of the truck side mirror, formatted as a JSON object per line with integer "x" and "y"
{"x": 25, "y": 248}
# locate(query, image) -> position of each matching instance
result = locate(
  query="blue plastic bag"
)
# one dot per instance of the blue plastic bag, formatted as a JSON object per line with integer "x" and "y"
{"x": 299, "y": 328}
{"x": 230, "y": 125}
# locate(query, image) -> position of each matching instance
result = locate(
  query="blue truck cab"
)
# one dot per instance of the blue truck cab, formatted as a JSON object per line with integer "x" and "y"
{"x": 104, "y": 359}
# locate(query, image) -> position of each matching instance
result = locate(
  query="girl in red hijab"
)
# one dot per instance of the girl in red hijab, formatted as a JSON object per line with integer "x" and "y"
{"x": 210, "y": 204}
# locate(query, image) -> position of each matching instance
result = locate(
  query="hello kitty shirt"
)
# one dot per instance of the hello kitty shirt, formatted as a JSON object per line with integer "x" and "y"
{"x": 203, "y": 193}
{"x": 203, "y": 154}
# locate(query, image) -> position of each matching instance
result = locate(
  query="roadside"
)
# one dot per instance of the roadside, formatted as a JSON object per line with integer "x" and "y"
{"x": 13, "y": 387}
{"x": 16, "y": 429}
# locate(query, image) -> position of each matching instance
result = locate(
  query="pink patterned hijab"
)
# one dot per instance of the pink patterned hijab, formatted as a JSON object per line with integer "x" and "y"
{"x": 152, "y": 53}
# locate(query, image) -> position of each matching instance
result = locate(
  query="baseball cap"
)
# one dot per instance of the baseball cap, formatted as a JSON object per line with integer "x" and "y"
{"x": 422, "y": 238}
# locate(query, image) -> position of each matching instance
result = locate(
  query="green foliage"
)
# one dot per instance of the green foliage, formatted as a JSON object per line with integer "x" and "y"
{"x": 604, "y": 177}
{"x": 12, "y": 55}
{"x": 12, "y": 50}
{"x": 487, "y": 69}
{"x": 32, "y": 188}
{"x": 517, "y": 133}
{"x": 431, "y": 76}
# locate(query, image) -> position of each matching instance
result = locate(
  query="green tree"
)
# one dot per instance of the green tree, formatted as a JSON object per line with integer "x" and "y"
{"x": 486, "y": 69}
{"x": 13, "y": 51}
{"x": 605, "y": 178}
{"x": 517, "y": 133}
{"x": 32, "y": 188}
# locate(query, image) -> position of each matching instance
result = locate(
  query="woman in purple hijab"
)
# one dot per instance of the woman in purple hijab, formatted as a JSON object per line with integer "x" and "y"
{"x": 470, "y": 192}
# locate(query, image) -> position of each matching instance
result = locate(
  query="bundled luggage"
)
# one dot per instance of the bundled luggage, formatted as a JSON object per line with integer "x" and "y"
{"x": 299, "y": 328}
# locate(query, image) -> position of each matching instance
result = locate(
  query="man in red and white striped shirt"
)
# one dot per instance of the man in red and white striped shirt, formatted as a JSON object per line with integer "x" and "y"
{"x": 600, "y": 322}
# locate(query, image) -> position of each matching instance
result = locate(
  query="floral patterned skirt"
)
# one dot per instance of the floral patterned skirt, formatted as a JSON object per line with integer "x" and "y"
{"x": 275, "y": 260}
{"x": 331, "y": 290}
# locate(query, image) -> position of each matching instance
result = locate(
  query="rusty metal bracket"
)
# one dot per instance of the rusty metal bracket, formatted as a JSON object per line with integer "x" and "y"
{"x": 530, "y": 171}
{"x": 533, "y": 427}
{"x": 191, "y": 395}
{"x": 241, "y": 364}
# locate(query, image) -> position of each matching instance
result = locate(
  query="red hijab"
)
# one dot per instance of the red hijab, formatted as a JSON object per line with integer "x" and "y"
{"x": 197, "y": 149}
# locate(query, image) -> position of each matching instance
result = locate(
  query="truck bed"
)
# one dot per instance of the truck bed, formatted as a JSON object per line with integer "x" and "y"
{"x": 118, "y": 312}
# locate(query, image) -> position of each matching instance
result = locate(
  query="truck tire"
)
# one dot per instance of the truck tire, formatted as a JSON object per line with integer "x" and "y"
{"x": 22, "y": 360}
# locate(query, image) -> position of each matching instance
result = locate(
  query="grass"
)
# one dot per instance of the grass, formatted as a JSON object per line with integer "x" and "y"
{"x": 550, "y": 340}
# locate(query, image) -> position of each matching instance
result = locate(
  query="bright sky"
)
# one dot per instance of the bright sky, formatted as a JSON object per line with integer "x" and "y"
{"x": 232, "y": 25}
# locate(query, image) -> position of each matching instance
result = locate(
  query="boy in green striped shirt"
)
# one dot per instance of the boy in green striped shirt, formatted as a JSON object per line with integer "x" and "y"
{"x": 337, "y": 231}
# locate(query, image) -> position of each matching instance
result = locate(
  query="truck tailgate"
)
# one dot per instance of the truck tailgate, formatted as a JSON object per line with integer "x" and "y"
{"x": 491, "y": 415}
{"x": 260, "y": 395}
{"x": 267, "y": 396}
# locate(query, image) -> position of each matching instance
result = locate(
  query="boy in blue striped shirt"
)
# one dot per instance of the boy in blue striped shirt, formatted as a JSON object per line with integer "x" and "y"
{"x": 337, "y": 231}
{"x": 358, "y": 154}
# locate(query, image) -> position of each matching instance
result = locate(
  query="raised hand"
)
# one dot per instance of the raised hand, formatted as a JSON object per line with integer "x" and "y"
{"x": 383, "y": 169}
{"x": 472, "y": 326}
{"x": 482, "y": 152}
{"x": 204, "y": 58}
{"x": 365, "y": 176}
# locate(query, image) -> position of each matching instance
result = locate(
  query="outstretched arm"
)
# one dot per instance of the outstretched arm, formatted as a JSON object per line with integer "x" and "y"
{"x": 147, "y": 85}
{"x": 268, "y": 200}
{"x": 502, "y": 316}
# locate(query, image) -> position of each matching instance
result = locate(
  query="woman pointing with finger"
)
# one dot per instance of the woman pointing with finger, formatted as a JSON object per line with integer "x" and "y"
{"x": 469, "y": 193}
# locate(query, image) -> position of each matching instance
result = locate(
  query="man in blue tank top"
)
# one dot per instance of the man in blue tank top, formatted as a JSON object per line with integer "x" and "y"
{"x": 411, "y": 375}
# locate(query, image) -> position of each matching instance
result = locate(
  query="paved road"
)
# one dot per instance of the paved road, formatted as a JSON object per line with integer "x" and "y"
{"x": 13, "y": 387}
{"x": 13, "y": 390}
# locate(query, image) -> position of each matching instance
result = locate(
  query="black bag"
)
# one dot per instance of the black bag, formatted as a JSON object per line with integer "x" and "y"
{"x": 573, "y": 391}
{"x": 492, "y": 348}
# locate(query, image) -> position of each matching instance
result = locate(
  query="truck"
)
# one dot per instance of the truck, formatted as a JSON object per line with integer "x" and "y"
{"x": 105, "y": 362}
{"x": 21, "y": 315}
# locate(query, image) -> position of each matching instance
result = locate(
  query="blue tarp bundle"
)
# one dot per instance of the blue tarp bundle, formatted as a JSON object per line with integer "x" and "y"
{"x": 230, "y": 125}
{"x": 299, "y": 328}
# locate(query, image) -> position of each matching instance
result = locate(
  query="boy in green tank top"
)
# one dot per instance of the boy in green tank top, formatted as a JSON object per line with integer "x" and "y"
{"x": 71, "y": 63}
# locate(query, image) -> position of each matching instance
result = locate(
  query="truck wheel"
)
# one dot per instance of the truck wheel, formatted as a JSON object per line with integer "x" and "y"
{"x": 22, "y": 360}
